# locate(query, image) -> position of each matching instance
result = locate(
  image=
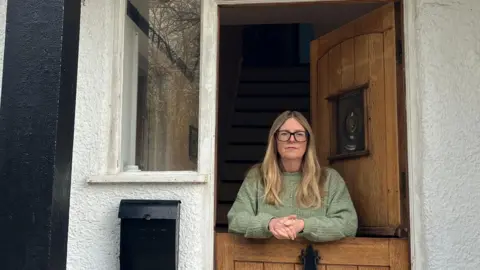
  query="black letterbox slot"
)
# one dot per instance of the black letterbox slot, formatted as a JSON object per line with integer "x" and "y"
{"x": 149, "y": 233}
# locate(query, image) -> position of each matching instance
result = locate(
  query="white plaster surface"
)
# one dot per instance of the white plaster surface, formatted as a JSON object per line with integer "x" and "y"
{"x": 3, "y": 18}
{"x": 93, "y": 242}
{"x": 448, "y": 99}
{"x": 447, "y": 38}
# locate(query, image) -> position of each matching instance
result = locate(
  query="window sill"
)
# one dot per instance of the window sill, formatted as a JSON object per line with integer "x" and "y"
{"x": 149, "y": 177}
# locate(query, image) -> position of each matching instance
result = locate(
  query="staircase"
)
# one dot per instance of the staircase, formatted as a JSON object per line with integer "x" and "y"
{"x": 262, "y": 94}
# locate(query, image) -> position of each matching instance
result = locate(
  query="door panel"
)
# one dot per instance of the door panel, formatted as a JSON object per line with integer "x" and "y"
{"x": 236, "y": 252}
{"x": 362, "y": 53}
{"x": 279, "y": 266}
{"x": 248, "y": 266}
{"x": 342, "y": 267}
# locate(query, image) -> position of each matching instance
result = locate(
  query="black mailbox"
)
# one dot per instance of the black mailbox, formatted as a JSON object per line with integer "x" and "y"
{"x": 149, "y": 234}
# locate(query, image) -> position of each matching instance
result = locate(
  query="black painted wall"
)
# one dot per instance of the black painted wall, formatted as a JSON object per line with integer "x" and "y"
{"x": 36, "y": 132}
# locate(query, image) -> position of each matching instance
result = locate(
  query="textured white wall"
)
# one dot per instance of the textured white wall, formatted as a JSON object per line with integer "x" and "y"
{"x": 447, "y": 38}
{"x": 93, "y": 241}
{"x": 447, "y": 52}
{"x": 3, "y": 18}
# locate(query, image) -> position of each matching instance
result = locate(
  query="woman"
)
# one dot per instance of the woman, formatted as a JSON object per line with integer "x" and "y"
{"x": 288, "y": 194}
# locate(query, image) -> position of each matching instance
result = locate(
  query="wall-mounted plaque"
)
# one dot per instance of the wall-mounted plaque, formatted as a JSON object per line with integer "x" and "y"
{"x": 349, "y": 129}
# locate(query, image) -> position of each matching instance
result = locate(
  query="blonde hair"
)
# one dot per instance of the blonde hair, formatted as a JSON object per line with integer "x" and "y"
{"x": 309, "y": 192}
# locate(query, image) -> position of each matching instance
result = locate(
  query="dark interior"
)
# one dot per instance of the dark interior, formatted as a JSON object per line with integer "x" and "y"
{"x": 263, "y": 71}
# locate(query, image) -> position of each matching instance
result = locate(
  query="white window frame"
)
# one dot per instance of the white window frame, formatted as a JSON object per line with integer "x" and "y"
{"x": 119, "y": 134}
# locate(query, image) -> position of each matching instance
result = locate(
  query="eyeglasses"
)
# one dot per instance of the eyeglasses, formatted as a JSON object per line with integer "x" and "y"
{"x": 299, "y": 136}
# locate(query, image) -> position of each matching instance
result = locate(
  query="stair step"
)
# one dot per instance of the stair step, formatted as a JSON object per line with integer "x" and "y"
{"x": 248, "y": 135}
{"x": 236, "y": 172}
{"x": 270, "y": 104}
{"x": 275, "y": 89}
{"x": 255, "y": 119}
{"x": 289, "y": 74}
{"x": 227, "y": 191}
{"x": 263, "y": 94}
{"x": 222, "y": 211}
{"x": 245, "y": 152}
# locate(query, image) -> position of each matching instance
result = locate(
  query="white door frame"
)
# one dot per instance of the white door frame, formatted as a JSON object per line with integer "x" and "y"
{"x": 208, "y": 80}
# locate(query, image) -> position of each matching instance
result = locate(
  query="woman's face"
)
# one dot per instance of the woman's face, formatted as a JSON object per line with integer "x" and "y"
{"x": 291, "y": 140}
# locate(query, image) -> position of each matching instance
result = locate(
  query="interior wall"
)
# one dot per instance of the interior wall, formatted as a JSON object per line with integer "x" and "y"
{"x": 327, "y": 14}
{"x": 230, "y": 61}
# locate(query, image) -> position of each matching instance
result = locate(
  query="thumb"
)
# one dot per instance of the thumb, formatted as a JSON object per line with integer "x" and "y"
{"x": 289, "y": 222}
{"x": 288, "y": 218}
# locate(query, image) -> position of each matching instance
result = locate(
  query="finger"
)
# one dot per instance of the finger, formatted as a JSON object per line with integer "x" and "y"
{"x": 278, "y": 236}
{"x": 288, "y": 230}
{"x": 288, "y": 233}
{"x": 291, "y": 233}
{"x": 279, "y": 225}
{"x": 274, "y": 232}
{"x": 279, "y": 232}
{"x": 290, "y": 217}
{"x": 285, "y": 227}
{"x": 283, "y": 233}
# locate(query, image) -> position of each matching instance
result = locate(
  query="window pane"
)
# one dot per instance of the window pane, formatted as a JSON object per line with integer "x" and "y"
{"x": 167, "y": 83}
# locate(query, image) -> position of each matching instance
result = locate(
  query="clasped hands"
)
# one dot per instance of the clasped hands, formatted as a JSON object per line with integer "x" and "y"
{"x": 286, "y": 227}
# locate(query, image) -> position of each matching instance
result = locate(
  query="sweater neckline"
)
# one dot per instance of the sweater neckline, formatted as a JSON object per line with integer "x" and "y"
{"x": 292, "y": 173}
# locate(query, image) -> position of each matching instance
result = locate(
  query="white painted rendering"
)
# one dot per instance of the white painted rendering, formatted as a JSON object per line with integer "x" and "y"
{"x": 3, "y": 18}
{"x": 94, "y": 230}
{"x": 443, "y": 97}
{"x": 443, "y": 64}
{"x": 129, "y": 95}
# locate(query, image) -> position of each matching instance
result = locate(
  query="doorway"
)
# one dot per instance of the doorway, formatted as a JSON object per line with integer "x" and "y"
{"x": 330, "y": 61}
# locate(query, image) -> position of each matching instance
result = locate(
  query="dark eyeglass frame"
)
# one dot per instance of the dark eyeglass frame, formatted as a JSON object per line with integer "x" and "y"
{"x": 290, "y": 135}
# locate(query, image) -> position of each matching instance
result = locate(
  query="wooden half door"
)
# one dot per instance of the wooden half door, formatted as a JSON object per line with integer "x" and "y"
{"x": 355, "y": 116}
{"x": 234, "y": 252}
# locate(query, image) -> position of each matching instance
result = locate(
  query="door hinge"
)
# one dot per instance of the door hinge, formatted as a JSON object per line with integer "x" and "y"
{"x": 399, "y": 52}
{"x": 402, "y": 232}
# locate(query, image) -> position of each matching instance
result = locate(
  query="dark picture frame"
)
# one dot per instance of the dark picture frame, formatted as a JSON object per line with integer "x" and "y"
{"x": 349, "y": 125}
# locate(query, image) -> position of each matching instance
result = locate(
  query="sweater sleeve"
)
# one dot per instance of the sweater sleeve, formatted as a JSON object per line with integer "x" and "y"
{"x": 241, "y": 217}
{"x": 340, "y": 220}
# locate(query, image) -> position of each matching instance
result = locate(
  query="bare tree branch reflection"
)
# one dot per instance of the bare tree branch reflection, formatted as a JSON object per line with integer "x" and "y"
{"x": 175, "y": 30}
{"x": 169, "y": 100}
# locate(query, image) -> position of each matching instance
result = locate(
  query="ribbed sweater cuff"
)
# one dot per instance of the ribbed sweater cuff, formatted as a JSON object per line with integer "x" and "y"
{"x": 260, "y": 226}
{"x": 309, "y": 226}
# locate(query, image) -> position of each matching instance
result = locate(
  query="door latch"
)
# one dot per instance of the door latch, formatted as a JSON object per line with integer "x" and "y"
{"x": 310, "y": 258}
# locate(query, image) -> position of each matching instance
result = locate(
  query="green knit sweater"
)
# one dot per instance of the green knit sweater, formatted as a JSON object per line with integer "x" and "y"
{"x": 336, "y": 218}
